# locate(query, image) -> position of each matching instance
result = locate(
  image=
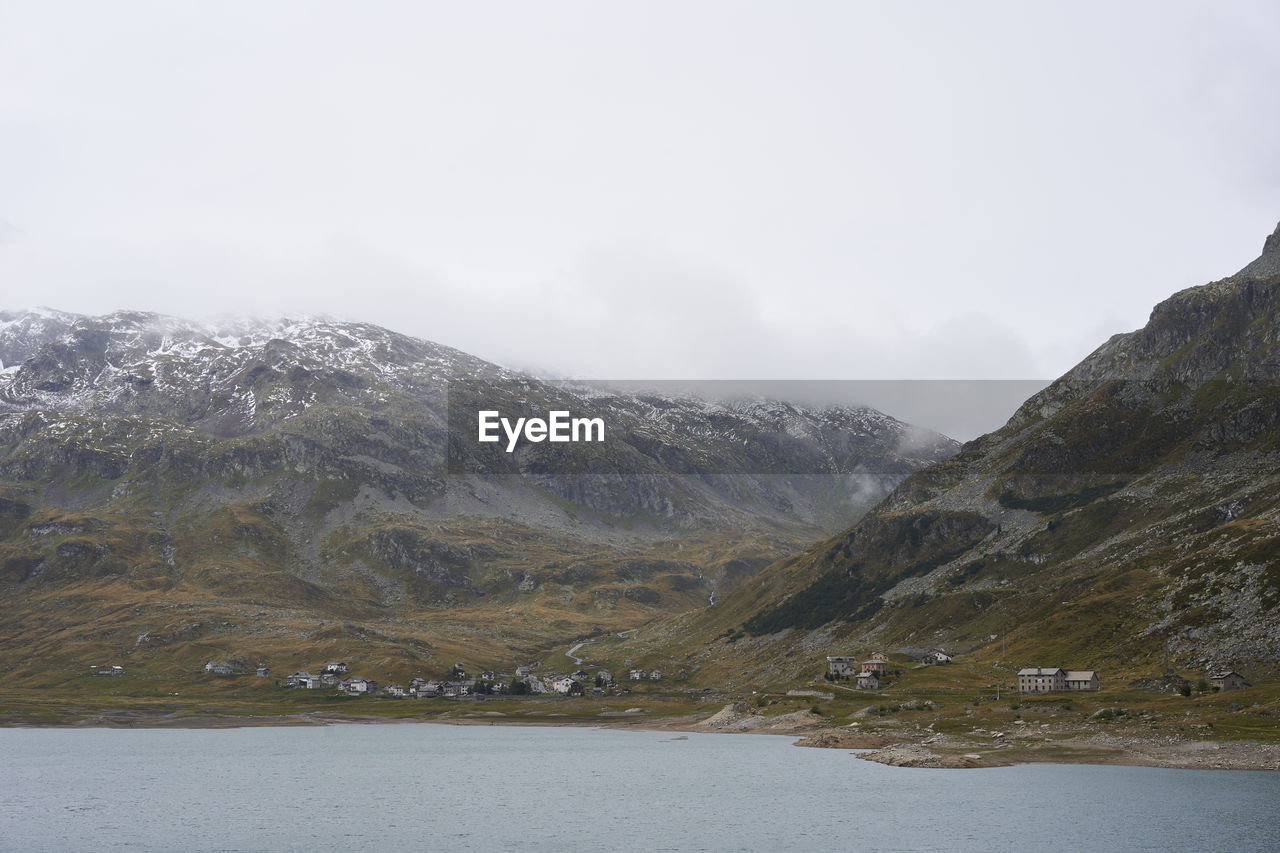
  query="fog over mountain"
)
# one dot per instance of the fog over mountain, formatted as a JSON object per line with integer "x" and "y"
{"x": 841, "y": 190}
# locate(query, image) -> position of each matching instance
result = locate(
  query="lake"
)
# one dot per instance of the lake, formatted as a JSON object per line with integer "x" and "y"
{"x": 420, "y": 786}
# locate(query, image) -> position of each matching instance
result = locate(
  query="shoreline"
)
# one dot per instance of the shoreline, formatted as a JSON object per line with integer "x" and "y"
{"x": 898, "y": 749}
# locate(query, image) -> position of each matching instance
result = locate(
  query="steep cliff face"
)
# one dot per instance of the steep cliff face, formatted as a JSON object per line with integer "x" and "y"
{"x": 1129, "y": 509}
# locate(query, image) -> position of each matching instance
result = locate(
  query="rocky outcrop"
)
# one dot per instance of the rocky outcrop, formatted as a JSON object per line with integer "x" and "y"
{"x": 1268, "y": 263}
{"x": 734, "y": 718}
{"x": 914, "y": 755}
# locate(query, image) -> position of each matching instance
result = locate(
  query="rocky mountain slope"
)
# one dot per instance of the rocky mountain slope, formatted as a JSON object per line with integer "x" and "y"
{"x": 1124, "y": 519}
{"x": 172, "y": 490}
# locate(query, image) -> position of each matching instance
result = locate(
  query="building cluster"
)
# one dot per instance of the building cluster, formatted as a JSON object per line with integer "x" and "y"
{"x": 935, "y": 657}
{"x": 337, "y": 676}
{"x": 866, "y": 674}
{"x": 1056, "y": 680}
{"x": 235, "y": 666}
{"x": 641, "y": 675}
{"x": 1040, "y": 679}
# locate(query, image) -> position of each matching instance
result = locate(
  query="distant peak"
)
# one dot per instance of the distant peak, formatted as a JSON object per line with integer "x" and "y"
{"x": 1272, "y": 246}
{"x": 1268, "y": 263}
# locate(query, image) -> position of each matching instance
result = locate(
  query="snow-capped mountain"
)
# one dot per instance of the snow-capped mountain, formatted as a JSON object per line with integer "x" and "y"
{"x": 334, "y": 468}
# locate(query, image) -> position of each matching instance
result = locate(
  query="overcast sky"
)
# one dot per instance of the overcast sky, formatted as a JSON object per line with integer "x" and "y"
{"x": 646, "y": 190}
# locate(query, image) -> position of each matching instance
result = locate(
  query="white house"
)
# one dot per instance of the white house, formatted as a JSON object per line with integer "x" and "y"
{"x": 841, "y": 666}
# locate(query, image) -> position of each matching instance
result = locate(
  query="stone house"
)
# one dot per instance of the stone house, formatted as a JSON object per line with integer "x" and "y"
{"x": 355, "y": 686}
{"x": 1082, "y": 679}
{"x": 1230, "y": 680}
{"x": 841, "y": 667}
{"x": 1039, "y": 679}
{"x": 300, "y": 679}
{"x": 868, "y": 680}
{"x": 935, "y": 657}
{"x": 655, "y": 675}
{"x": 638, "y": 675}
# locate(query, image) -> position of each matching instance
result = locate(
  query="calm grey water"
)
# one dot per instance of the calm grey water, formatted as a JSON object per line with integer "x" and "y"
{"x": 420, "y": 786}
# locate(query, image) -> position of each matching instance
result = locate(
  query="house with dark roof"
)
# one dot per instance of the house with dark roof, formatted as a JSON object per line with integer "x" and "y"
{"x": 841, "y": 666}
{"x": 1230, "y": 680}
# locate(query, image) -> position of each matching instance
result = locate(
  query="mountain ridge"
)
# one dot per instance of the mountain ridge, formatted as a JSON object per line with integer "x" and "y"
{"x": 287, "y": 475}
{"x": 1123, "y": 516}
